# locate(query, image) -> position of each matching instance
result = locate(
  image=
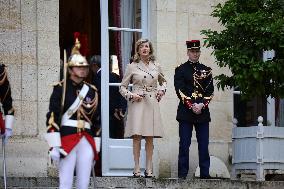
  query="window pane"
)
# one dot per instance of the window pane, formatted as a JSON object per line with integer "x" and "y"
{"x": 121, "y": 44}
{"x": 247, "y": 111}
{"x": 125, "y": 13}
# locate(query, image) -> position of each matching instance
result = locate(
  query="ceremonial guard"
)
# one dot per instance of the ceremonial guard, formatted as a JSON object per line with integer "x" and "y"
{"x": 6, "y": 101}
{"x": 194, "y": 87}
{"x": 7, "y": 107}
{"x": 70, "y": 125}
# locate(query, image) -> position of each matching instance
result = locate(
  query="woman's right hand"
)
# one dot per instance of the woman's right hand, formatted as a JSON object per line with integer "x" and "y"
{"x": 137, "y": 98}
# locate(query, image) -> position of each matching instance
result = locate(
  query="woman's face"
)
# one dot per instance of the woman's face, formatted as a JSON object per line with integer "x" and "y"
{"x": 144, "y": 49}
{"x": 80, "y": 71}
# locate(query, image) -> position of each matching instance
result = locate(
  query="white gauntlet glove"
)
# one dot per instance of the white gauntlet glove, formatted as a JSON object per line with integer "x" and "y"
{"x": 54, "y": 141}
{"x": 55, "y": 155}
{"x": 8, "y": 133}
{"x": 9, "y": 122}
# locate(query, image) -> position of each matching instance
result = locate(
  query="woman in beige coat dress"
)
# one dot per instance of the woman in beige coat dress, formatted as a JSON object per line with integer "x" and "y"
{"x": 143, "y": 118}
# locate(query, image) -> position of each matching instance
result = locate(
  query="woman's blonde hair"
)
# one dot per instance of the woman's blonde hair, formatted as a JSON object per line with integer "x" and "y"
{"x": 136, "y": 57}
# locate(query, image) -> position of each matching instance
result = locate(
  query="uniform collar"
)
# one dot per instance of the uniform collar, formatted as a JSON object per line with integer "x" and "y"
{"x": 193, "y": 62}
{"x": 76, "y": 84}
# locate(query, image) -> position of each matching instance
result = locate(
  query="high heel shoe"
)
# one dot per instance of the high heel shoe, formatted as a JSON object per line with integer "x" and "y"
{"x": 148, "y": 175}
{"x": 137, "y": 174}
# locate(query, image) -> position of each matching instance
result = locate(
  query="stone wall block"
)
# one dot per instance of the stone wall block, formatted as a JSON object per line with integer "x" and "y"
{"x": 166, "y": 24}
{"x": 15, "y": 79}
{"x": 202, "y": 7}
{"x": 181, "y": 27}
{"x": 49, "y": 53}
{"x": 198, "y": 22}
{"x": 4, "y": 18}
{"x": 42, "y": 110}
{"x": 221, "y": 120}
{"x": 15, "y": 56}
{"x": 29, "y": 82}
{"x": 48, "y": 15}
{"x": 166, "y": 59}
{"x": 29, "y": 15}
{"x": 29, "y": 118}
{"x": 47, "y": 75}
{"x": 28, "y": 156}
{"x": 5, "y": 44}
{"x": 181, "y": 52}
{"x": 10, "y": 15}
{"x": 10, "y": 47}
{"x": 166, "y": 5}
{"x": 182, "y": 6}
{"x": 29, "y": 47}
{"x": 17, "y": 127}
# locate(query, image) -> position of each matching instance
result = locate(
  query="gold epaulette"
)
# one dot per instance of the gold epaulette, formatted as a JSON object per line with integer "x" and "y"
{"x": 3, "y": 75}
{"x": 92, "y": 86}
{"x": 56, "y": 83}
{"x": 179, "y": 65}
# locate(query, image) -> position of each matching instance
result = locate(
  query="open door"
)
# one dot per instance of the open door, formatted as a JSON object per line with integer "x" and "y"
{"x": 122, "y": 23}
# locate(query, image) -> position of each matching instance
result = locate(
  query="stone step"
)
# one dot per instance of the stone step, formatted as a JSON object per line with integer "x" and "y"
{"x": 128, "y": 182}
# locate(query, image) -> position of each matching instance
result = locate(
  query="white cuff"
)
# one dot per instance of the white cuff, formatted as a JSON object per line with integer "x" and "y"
{"x": 53, "y": 139}
{"x": 9, "y": 121}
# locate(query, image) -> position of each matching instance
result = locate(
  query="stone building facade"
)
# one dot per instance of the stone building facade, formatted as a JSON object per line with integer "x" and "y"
{"x": 29, "y": 46}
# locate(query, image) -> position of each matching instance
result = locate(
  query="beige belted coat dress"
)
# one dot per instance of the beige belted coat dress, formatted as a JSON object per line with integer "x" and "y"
{"x": 143, "y": 118}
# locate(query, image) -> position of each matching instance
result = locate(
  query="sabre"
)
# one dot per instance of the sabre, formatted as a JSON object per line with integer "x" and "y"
{"x": 4, "y": 162}
{"x": 65, "y": 65}
{"x": 94, "y": 175}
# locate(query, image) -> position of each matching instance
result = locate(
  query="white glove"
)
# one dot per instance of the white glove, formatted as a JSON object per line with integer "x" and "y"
{"x": 55, "y": 155}
{"x": 9, "y": 122}
{"x": 7, "y": 134}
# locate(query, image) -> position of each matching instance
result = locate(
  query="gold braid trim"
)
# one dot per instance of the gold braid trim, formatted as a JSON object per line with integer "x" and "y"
{"x": 56, "y": 83}
{"x": 52, "y": 123}
{"x": 6, "y": 94}
{"x": 183, "y": 96}
{"x": 4, "y": 77}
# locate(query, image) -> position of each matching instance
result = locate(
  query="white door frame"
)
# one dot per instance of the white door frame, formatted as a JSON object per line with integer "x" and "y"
{"x": 112, "y": 148}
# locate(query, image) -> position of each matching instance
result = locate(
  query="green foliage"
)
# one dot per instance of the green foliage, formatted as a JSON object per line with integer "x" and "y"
{"x": 250, "y": 27}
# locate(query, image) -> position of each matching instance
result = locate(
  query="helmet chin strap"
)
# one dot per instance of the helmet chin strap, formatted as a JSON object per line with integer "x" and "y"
{"x": 76, "y": 78}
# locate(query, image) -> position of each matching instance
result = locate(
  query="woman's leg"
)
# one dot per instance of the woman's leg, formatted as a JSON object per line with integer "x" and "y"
{"x": 66, "y": 170}
{"x": 136, "y": 152}
{"x": 84, "y": 163}
{"x": 149, "y": 154}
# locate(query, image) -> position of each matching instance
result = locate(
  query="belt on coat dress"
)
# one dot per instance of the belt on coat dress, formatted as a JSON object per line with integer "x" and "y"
{"x": 148, "y": 89}
{"x": 76, "y": 123}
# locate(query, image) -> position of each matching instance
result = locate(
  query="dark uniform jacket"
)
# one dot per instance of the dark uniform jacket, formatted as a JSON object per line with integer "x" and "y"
{"x": 193, "y": 82}
{"x": 5, "y": 92}
{"x": 70, "y": 136}
{"x": 116, "y": 101}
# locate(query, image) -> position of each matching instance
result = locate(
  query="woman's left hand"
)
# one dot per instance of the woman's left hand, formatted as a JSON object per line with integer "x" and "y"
{"x": 160, "y": 94}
